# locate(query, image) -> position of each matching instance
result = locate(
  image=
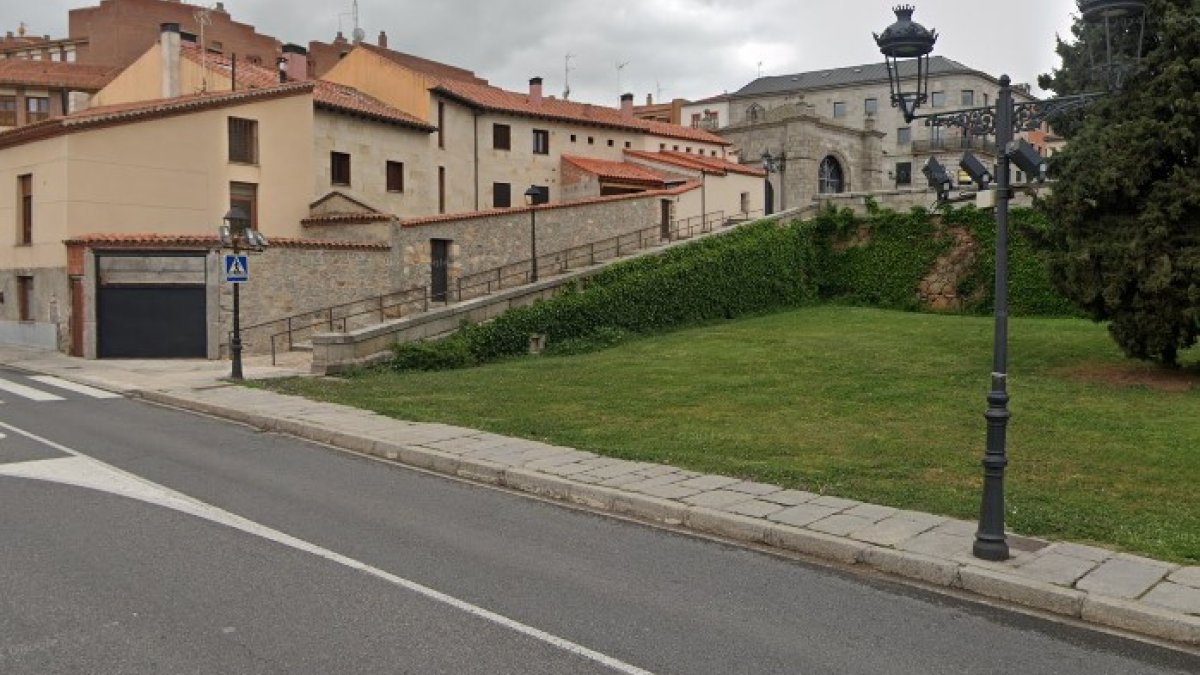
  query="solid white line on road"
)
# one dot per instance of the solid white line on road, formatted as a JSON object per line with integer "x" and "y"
{"x": 28, "y": 392}
{"x": 73, "y": 386}
{"x": 83, "y": 471}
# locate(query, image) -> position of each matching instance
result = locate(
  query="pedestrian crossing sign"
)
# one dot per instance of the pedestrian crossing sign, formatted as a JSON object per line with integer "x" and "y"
{"x": 236, "y": 271}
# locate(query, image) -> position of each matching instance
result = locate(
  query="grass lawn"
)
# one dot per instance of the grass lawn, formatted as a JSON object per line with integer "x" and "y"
{"x": 880, "y": 406}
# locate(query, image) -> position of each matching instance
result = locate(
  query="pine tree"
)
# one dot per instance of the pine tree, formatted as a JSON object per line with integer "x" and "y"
{"x": 1126, "y": 204}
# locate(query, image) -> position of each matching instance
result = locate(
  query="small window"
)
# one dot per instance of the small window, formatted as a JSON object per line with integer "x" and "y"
{"x": 339, "y": 168}
{"x": 688, "y": 150}
{"x": 25, "y": 298}
{"x": 541, "y": 142}
{"x": 395, "y": 176}
{"x": 243, "y": 141}
{"x": 903, "y": 173}
{"x": 939, "y": 99}
{"x": 245, "y": 195}
{"x": 968, "y": 97}
{"x": 25, "y": 215}
{"x": 441, "y": 189}
{"x": 839, "y": 109}
{"x": 8, "y": 111}
{"x": 903, "y": 136}
{"x": 628, "y": 144}
{"x": 501, "y": 137}
{"x": 37, "y": 109}
{"x": 662, "y": 146}
{"x": 501, "y": 195}
{"x": 441, "y": 123}
{"x": 676, "y": 148}
{"x": 871, "y": 106}
{"x": 591, "y": 140}
{"x": 610, "y": 142}
{"x": 572, "y": 138}
{"x": 745, "y": 203}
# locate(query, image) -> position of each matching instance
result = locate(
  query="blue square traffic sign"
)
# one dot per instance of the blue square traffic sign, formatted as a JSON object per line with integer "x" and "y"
{"x": 236, "y": 271}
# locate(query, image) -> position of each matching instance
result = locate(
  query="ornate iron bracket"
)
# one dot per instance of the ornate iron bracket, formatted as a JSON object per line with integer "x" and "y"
{"x": 1026, "y": 116}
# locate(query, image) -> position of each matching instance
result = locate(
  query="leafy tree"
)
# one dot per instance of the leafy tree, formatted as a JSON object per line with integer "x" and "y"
{"x": 1127, "y": 201}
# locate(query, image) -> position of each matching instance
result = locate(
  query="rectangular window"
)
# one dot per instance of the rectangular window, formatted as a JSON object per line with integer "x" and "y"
{"x": 395, "y": 176}
{"x": 441, "y": 189}
{"x": 903, "y": 173}
{"x": 339, "y": 168}
{"x": 37, "y": 109}
{"x": 441, "y": 123}
{"x": 8, "y": 111}
{"x": 501, "y": 195}
{"x": 541, "y": 142}
{"x": 839, "y": 109}
{"x": 903, "y": 136}
{"x": 628, "y": 144}
{"x": 572, "y": 138}
{"x": 245, "y": 196}
{"x": 968, "y": 97}
{"x": 610, "y": 142}
{"x": 939, "y": 99}
{"x": 243, "y": 141}
{"x": 25, "y": 204}
{"x": 591, "y": 140}
{"x": 25, "y": 298}
{"x": 871, "y": 106}
{"x": 745, "y": 202}
{"x": 501, "y": 137}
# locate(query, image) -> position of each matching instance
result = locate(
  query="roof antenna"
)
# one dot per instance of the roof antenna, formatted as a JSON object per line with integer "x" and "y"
{"x": 620, "y": 70}
{"x": 203, "y": 18}
{"x": 567, "y": 76}
{"x": 359, "y": 34}
{"x": 760, "y": 68}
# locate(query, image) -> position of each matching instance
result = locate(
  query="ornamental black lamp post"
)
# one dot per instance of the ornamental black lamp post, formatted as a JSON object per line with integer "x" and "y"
{"x": 533, "y": 196}
{"x": 777, "y": 164}
{"x": 238, "y": 234}
{"x": 907, "y": 45}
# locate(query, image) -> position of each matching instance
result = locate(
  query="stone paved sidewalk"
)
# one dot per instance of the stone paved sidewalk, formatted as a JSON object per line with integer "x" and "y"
{"x": 1118, "y": 590}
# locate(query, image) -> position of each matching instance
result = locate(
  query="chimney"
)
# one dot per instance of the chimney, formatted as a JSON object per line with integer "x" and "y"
{"x": 627, "y": 106}
{"x": 535, "y": 91}
{"x": 170, "y": 44}
{"x": 339, "y": 39}
{"x": 295, "y": 63}
{"x": 383, "y": 39}
{"x": 649, "y": 99}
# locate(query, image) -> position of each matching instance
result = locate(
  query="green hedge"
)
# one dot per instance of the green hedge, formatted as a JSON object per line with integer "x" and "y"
{"x": 876, "y": 261}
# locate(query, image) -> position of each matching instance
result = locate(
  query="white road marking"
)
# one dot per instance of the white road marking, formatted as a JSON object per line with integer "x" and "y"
{"x": 83, "y": 471}
{"x": 73, "y": 386}
{"x": 28, "y": 392}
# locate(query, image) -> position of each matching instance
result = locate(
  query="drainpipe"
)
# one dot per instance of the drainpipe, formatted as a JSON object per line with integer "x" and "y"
{"x": 703, "y": 198}
{"x": 476, "y": 120}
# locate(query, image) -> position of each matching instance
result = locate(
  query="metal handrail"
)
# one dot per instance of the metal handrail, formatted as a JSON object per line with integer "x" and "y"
{"x": 398, "y": 304}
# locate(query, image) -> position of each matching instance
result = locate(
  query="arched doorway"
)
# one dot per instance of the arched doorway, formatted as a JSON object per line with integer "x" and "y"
{"x": 830, "y": 178}
{"x": 769, "y": 197}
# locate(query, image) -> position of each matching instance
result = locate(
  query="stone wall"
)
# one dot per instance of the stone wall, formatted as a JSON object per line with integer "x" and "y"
{"x": 50, "y": 305}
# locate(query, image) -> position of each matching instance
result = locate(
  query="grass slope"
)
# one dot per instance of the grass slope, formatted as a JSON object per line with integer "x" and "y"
{"x": 880, "y": 406}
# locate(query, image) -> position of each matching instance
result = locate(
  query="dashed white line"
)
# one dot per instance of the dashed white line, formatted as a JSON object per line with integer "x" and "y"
{"x": 73, "y": 386}
{"x": 28, "y": 392}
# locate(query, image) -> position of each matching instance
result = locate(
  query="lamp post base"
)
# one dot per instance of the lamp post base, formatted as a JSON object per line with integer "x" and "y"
{"x": 989, "y": 549}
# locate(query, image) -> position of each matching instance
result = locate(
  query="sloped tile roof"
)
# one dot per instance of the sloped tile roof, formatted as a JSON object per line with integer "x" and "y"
{"x": 56, "y": 74}
{"x": 439, "y": 71}
{"x": 622, "y": 171}
{"x": 499, "y": 100}
{"x": 849, "y": 75}
{"x": 210, "y": 241}
{"x": 711, "y": 165}
{"x": 326, "y": 95}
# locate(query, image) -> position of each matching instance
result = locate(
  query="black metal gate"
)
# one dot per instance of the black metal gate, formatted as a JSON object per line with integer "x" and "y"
{"x": 140, "y": 316}
{"x": 439, "y": 269}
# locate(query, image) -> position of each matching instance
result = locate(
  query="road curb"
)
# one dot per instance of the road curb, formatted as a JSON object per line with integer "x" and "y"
{"x": 1099, "y": 610}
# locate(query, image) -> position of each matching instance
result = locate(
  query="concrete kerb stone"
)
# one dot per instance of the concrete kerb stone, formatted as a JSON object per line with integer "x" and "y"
{"x": 985, "y": 581}
{"x": 1143, "y": 619}
{"x": 1028, "y": 592}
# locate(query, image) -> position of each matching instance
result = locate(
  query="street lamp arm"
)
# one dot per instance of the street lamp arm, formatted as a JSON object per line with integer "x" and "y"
{"x": 1026, "y": 116}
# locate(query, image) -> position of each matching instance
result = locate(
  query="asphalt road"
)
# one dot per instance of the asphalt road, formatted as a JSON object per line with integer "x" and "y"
{"x": 349, "y": 565}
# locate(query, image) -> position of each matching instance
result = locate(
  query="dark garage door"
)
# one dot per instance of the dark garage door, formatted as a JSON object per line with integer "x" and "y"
{"x": 146, "y": 307}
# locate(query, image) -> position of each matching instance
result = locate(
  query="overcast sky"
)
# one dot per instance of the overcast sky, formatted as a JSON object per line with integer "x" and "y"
{"x": 676, "y": 48}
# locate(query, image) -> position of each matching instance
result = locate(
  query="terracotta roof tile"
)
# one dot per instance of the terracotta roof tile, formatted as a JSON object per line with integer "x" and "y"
{"x": 210, "y": 241}
{"x": 138, "y": 109}
{"x": 500, "y": 100}
{"x": 622, "y": 171}
{"x": 77, "y": 76}
{"x": 439, "y": 71}
{"x": 712, "y": 165}
{"x": 326, "y": 95}
{"x": 347, "y": 218}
